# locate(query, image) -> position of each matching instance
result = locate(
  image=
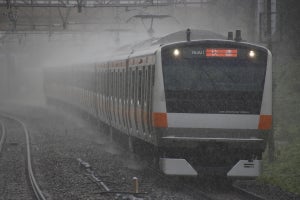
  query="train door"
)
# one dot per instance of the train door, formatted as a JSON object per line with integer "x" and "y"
{"x": 143, "y": 100}
{"x": 130, "y": 100}
{"x": 126, "y": 99}
{"x": 103, "y": 93}
{"x": 150, "y": 96}
{"x": 100, "y": 93}
{"x": 119, "y": 98}
{"x": 100, "y": 97}
{"x": 120, "y": 87}
{"x": 114, "y": 98}
{"x": 135, "y": 98}
{"x": 106, "y": 94}
{"x": 139, "y": 99}
{"x": 109, "y": 96}
{"x": 97, "y": 91}
{"x": 123, "y": 98}
{"x": 146, "y": 99}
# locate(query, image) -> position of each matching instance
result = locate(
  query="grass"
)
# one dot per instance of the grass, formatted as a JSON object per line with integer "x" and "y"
{"x": 285, "y": 170}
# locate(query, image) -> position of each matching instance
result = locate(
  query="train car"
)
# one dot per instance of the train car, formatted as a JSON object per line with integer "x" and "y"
{"x": 196, "y": 102}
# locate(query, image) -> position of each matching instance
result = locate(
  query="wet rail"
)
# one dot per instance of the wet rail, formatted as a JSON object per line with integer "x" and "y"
{"x": 3, "y": 135}
{"x": 34, "y": 185}
{"x": 247, "y": 193}
{"x": 235, "y": 193}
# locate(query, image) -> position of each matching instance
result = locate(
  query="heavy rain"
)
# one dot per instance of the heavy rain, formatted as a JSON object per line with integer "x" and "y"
{"x": 149, "y": 99}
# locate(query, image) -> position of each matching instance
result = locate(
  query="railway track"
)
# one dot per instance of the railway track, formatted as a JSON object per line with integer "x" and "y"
{"x": 234, "y": 192}
{"x": 3, "y": 135}
{"x": 248, "y": 194}
{"x": 18, "y": 180}
{"x": 113, "y": 191}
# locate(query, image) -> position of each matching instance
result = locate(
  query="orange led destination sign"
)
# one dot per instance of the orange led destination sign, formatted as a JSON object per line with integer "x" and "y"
{"x": 221, "y": 53}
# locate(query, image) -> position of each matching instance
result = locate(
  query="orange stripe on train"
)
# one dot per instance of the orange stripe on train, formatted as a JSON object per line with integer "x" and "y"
{"x": 265, "y": 122}
{"x": 160, "y": 120}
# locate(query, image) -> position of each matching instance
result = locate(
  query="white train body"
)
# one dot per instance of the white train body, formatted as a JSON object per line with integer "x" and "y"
{"x": 207, "y": 106}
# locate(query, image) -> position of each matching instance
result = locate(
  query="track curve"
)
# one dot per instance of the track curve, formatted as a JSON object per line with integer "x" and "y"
{"x": 3, "y": 135}
{"x": 36, "y": 189}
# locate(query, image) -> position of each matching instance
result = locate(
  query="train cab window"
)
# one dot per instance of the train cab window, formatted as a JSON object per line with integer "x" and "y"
{"x": 200, "y": 83}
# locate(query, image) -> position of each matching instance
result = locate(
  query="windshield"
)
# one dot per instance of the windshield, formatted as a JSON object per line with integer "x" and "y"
{"x": 199, "y": 81}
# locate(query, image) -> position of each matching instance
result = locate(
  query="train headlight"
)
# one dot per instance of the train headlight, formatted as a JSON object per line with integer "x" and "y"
{"x": 176, "y": 52}
{"x": 252, "y": 54}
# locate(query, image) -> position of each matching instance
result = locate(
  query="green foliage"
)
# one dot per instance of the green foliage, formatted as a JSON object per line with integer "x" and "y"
{"x": 286, "y": 101}
{"x": 285, "y": 171}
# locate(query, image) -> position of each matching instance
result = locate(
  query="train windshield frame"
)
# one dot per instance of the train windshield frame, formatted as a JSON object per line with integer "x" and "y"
{"x": 214, "y": 77}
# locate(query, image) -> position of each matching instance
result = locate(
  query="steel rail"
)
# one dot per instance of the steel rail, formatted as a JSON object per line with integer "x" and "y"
{"x": 36, "y": 189}
{"x": 247, "y": 193}
{"x": 200, "y": 193}
{"x": 3, "y": 136}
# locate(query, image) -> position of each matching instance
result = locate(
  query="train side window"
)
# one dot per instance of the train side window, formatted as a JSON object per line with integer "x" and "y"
{"x": 117, "y": 83}
{"x": 139, "y": 79}
{"x": 114, "y": 83}
{"x": 102, "y": 82}
{"x": 148, "y": 98}
{"x": 125, "y": 82}
{"x": 152, "y": 79}
{"x": 120, "y": 85}
{"x": 110, "y": 85}
{"x": 123, "y": 91}
{"x": 143, "y": 94}
{"x": 109, "y": 81}
{"x": 105, "y": 74}
{"x": 133, "y": 87}
{"x": 129, "y": 95}
{"x": 99, "y": 80}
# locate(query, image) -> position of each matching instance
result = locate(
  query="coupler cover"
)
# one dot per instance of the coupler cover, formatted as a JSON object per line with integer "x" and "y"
{"x": 175, "y": 166}
{"x": 246, "y": 168}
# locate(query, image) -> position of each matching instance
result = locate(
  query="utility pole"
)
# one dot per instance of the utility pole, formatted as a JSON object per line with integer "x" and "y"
{"x": 269, "y": 24}
{"x": 271, "y": 142}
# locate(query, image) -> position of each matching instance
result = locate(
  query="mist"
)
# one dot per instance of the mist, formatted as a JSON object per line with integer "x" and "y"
{"x": 25, "y": 54}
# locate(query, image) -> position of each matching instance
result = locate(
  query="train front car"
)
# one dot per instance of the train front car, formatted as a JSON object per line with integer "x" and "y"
{"x": 213, "y": 108}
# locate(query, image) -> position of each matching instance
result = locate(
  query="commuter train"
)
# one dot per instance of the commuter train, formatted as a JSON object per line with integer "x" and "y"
{"x": 197, "y": 102}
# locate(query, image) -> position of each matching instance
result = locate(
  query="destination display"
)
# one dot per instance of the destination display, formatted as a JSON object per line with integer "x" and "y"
{"x": 206, "y": 52}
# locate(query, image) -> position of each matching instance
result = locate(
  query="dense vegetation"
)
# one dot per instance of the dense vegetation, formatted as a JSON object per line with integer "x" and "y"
{"x": 285, "y": 171}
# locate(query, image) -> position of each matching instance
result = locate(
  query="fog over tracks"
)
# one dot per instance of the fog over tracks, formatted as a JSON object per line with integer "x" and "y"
{"x": 15, "y": 183}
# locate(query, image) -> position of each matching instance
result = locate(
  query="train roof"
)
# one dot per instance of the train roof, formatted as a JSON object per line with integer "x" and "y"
{"x": 151, "y": 45}
{"x": 179, "y": 36}
{"x": 195, "y": 35}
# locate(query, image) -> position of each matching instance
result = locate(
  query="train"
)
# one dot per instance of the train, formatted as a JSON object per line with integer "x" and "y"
{"x": 194, "y": 102}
